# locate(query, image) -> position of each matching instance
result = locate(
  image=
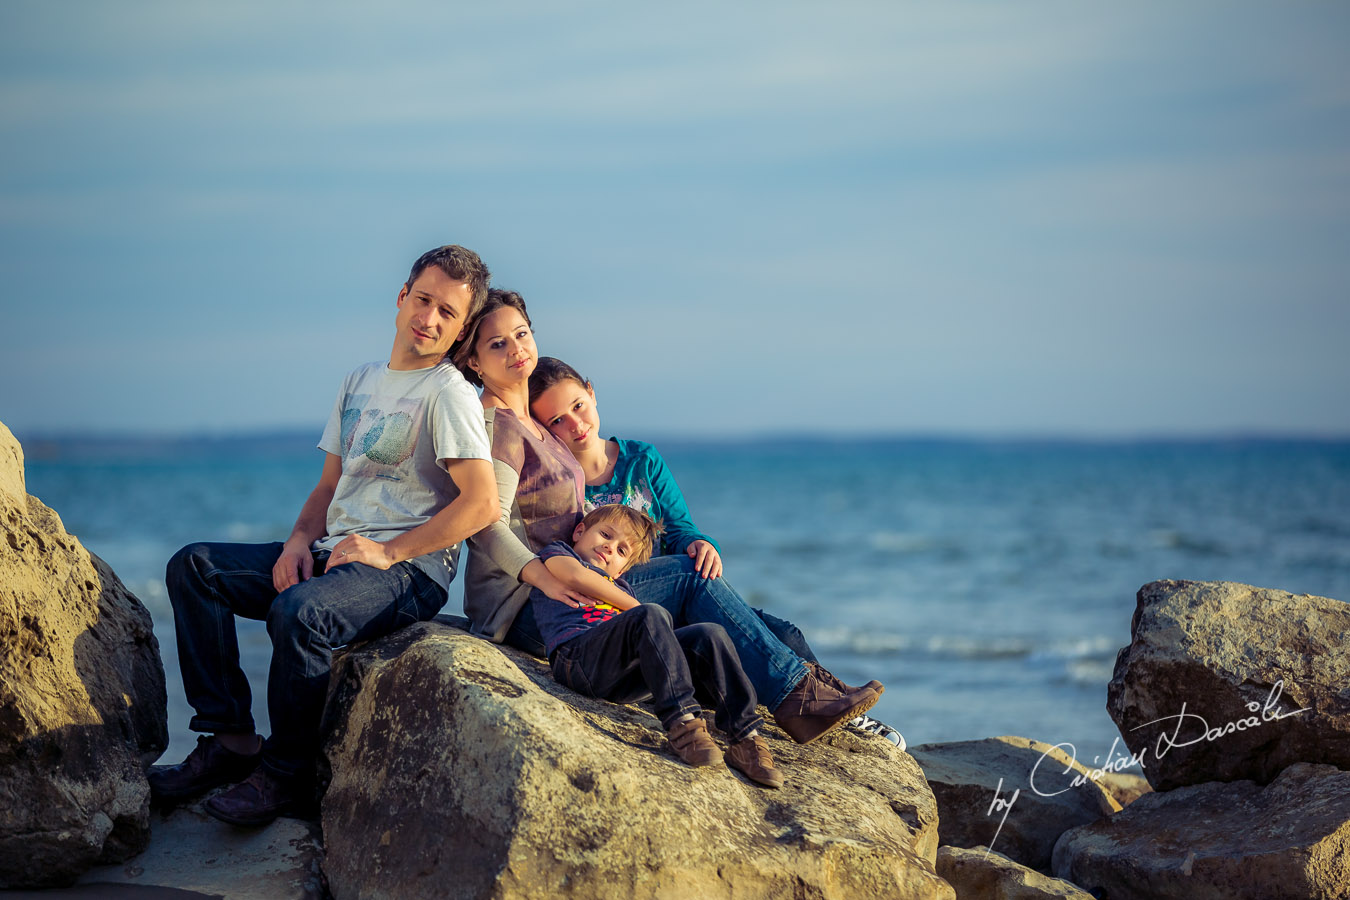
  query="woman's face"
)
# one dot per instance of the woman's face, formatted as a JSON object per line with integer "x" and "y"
{"x": 504, "y": 353}
{"x": 568, "y": 410}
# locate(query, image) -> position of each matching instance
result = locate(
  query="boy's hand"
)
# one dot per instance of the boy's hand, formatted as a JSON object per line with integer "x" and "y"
{"x": 707, "y": 560}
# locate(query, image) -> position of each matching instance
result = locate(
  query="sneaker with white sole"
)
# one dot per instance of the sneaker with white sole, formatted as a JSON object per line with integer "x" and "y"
{"x": 869, "y": 725}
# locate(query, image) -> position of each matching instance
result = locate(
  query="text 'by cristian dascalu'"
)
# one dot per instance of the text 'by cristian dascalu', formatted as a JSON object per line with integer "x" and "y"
{"x": 1261, "y": 713}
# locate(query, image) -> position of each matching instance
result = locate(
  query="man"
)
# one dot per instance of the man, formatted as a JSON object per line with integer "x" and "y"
{"x": 407, "y": 476}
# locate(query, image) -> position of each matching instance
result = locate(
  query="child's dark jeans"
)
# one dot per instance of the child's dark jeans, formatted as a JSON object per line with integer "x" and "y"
{"x": 641, "y": 652}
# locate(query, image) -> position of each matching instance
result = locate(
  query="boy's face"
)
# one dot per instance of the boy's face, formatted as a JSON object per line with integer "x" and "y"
{"x": 606, "y": 545}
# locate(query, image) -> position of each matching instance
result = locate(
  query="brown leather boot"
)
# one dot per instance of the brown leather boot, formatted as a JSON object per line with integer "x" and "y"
{"x": 692, "y": 743}
{"x": 751, "y": 756}
{"x": 833, "y": 680}
{"x": 208, "y": 766}
{"x": 256, "y": 800}
{"x": 814, "y": 708}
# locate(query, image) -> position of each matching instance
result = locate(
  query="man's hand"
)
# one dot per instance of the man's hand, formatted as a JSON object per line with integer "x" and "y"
{"x": 357, "y": 549}
{"x": 707, "y": 560}
{"x": 295, "y": 565}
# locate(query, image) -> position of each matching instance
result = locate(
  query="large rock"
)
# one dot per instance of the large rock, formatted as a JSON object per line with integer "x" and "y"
{"x": 982, "y": 874}
{"x": 1124, "y": 787}
{"x": 460, "y": 770}
{"x": 82, "y": 703}
{"x": 1238, "y": 661}
{"x": 1048, "y": 790}
{"x": 1221, "y": 841}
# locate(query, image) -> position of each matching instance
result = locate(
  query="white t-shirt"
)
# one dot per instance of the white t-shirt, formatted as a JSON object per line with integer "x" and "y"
{"x": 391, "y": 429}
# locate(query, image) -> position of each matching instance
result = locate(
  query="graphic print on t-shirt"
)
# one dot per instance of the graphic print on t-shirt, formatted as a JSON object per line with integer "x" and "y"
{"x": 638, "y": 496}
{"x": 376, "y": 441}
{"x": 600, "y": 612}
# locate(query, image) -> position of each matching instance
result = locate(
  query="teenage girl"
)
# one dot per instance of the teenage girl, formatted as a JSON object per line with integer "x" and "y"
{"x": 635, "y": 474}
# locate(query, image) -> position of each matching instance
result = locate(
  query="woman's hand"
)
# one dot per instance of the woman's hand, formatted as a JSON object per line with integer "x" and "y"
{"x": 536, "y": 574}
{"x": 574, "y": 599}
{"x": 357, "y": 549}
{"x": 707, "y": 560}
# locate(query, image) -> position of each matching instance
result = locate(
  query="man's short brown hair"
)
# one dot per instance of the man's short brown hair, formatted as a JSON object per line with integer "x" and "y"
{"x": 461, "y": 264}
{"x": 644, "y": 532}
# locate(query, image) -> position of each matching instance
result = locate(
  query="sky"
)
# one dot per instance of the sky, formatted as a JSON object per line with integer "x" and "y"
{"x": 967, "y": 219}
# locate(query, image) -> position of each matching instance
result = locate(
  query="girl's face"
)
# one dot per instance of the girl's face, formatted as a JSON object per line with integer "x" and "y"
{"x": 504, "y": 352}
{"x": 568, "y": 410}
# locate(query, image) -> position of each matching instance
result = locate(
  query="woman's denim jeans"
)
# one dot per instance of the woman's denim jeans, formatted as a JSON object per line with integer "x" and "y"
{"x": 210, "y": 584}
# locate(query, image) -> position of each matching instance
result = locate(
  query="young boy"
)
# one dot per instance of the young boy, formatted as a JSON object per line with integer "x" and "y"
{"x": 621, "y": 650}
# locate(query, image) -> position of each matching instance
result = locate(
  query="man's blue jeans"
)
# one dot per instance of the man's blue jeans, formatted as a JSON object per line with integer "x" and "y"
{"x": 210, "y": 584}
{"x": 673, "y": 582}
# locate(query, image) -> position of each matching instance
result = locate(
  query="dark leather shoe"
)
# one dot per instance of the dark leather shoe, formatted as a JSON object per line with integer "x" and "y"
{"x": 256, "y": 800}
{"x": 814, "y": 708}
{"x": 833, "y": 680}
{"x": 208, "y": 766}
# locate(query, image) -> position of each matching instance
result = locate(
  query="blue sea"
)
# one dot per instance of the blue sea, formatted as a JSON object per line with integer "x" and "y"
{"x": 987, "y": 584}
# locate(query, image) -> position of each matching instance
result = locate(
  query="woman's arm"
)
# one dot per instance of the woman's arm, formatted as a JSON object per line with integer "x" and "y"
{"x": 681, "y": 535}
{"x": 577, "y": 577}
{"x": 499, "y": 543}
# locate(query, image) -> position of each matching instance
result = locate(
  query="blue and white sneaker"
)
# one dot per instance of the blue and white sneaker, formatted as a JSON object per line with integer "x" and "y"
{"x": 869, "y": 725}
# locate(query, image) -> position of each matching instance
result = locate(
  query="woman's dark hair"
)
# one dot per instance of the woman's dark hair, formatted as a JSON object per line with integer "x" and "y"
{"x": 461, "y": 352}
{"x": 550, "y": 371}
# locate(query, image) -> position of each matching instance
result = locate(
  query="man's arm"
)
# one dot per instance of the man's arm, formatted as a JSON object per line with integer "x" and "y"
{"x": 297, "y": 563}
{"x": 575, "y": 576}
{"x": 467, "y": 514}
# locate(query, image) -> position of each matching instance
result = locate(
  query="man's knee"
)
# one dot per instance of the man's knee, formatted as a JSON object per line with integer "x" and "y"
{"x": 184, "y": 564}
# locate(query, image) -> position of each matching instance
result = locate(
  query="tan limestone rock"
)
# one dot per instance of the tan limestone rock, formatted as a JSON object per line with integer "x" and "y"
{"x": 1289, "y": 840}
{"x": 459, "y": 769}
{"x": 82, "y": 702}
{"x": 1124, "y": 787}
{"x": 979, "y": 873}
{"x": 1048, "y": 790}
{"x": 1240, "y": 660}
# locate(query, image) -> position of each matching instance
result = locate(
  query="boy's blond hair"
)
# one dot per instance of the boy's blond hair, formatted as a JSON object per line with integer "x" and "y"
{"x": 644, "y": 532}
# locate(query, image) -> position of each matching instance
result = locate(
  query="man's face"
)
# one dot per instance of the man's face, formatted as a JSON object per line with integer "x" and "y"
{"x": 432, "y": 313}
{"x": 604, "y": 545}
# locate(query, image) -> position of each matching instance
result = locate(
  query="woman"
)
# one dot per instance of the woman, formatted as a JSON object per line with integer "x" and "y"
{"x": 541, "y": 490}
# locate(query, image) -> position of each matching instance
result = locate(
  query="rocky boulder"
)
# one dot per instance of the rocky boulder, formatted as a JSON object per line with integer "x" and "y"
{"x": 981, "y": 874}
{"x": 82, "y": 702}
{"x": 1013, "y": 794}
{"x": 1225, "y": 681}
{"x": 460, "y": 769}
{"x": 1124, "y": 787}
{"x": 1289, "y": 840}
